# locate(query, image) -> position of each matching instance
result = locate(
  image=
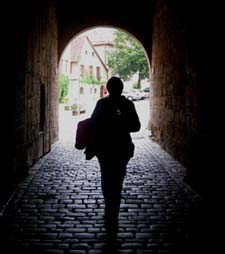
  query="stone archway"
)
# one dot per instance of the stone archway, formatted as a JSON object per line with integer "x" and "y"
{"x": 172, "y": 34}
{"x": 88, "y": 49}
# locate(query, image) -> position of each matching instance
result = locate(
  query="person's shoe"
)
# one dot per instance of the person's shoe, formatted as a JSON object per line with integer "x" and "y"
{"x": 111, "y": 247}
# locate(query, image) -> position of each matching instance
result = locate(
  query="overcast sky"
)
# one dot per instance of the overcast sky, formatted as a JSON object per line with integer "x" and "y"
{"x": 100, "y": 34}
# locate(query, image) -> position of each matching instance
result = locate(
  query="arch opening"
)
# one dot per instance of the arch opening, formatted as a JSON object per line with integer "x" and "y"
{"x": 88, "y": 61}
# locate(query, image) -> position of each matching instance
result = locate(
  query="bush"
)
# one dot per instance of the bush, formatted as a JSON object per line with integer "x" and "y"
{"x": 64, "y": 100}
{"x": 63, "y": 88}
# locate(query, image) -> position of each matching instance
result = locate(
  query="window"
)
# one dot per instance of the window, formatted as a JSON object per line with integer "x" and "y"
{"x": 81, "y": 90}
{"x": 91, "y": 71}
{"x": 98, "y": 73}
{"x": 72, "y": 68}
{"x": 82, "y": 70}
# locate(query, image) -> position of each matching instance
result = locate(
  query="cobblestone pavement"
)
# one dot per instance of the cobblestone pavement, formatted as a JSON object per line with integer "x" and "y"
{"x": 59, "y": 207}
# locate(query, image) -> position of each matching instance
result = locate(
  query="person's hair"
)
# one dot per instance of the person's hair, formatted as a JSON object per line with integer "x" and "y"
{"x": 114, "y": 86}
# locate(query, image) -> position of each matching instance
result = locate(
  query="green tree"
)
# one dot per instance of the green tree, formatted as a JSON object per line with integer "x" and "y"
{"x": 63, "y": 87}
{"x": 127, "y": 58}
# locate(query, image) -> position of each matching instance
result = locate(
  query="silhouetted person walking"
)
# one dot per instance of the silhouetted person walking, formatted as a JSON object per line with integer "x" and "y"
{"x": 113, "y": 119}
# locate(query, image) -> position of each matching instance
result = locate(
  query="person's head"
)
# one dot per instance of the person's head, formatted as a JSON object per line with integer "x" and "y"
{"x": 114, "y": 86}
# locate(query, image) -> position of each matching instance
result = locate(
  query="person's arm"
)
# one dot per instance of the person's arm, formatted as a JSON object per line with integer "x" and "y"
{"x": 96, "y": 116}
{"x": 133, "y": 119}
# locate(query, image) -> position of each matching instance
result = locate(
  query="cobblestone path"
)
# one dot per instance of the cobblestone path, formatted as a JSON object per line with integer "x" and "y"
{"x": 59, "y": 207}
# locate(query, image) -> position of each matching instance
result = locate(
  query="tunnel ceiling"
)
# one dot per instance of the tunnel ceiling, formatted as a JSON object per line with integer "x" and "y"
{"x": 134, "y": 17}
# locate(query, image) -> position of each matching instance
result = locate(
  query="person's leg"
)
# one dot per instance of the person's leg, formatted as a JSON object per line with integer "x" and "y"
{"x": 112, "y": 205}
{"x": 112, "y": 177}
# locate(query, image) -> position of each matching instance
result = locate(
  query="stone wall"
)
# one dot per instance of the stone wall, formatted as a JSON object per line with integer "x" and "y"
{"x": 37, "y": 96}
{"x": 187, "y": 97}
{"x": 173, "y": 101}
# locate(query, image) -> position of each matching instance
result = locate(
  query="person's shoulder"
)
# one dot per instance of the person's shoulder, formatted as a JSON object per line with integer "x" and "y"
{"x": 126, "y": 101}
{"x": 103, "y": 100}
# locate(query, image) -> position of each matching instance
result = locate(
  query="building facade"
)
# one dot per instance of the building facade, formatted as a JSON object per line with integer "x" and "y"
{"x": 85, "y": 65}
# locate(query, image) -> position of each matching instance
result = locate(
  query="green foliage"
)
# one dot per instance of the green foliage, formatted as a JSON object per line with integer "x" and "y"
{"x": 64, "y": 100}
{"x": 127, "y": 58}
{"x": 63, "y": 88}
{"x": 89, "y": 79}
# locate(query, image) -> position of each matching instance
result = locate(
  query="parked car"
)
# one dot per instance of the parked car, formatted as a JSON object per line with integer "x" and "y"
{"x": 146, "y": 89}
{"x": 145, "y": 92}
{"x": 133, "y": 94}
